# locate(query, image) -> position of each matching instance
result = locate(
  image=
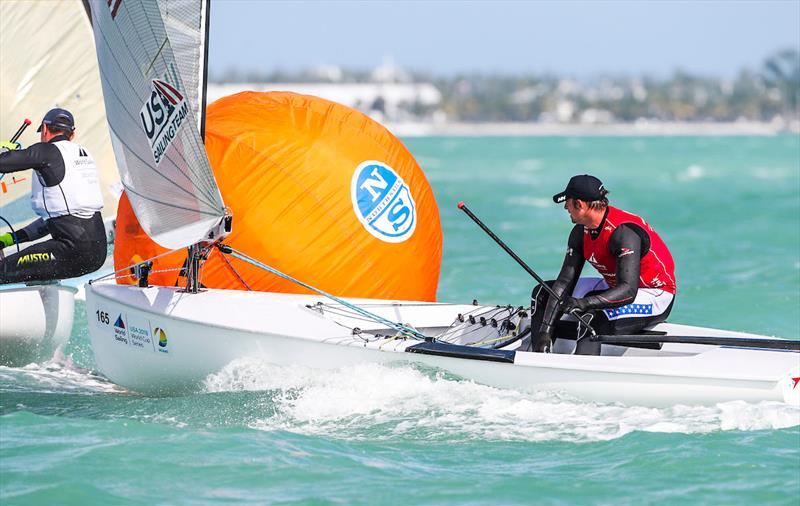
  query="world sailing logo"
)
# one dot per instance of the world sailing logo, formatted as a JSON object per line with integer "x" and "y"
{"x": 382, "y": 202}
{"x": 162, "y": 117}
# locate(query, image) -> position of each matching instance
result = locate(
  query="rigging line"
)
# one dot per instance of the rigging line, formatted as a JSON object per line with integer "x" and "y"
{"x": 235, "y": 272}
{"x": 101, "y": 278}
{"x": 395, "y": 304}
{"x": 467, "y": 333}
{"x": 343, "y": 311}
{"x": 394, "y": 325}
{"x": 456, "y": 330}
{"x": 498, "y": 315}
{"x": 205, "y": 188}
{"x": 158, "y": 53}
{"x": 361, "y": 335}
{"x": 350, "y": 315}
{"x": 489, "y": 341}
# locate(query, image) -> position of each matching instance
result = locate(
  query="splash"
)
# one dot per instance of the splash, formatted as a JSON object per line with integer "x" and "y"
{"x": 376, "y": 401}
{"x": 59, "y": 375}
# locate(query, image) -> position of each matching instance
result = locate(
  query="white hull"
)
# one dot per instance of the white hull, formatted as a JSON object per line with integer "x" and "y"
{"x": 34, "y": 322}
{"x": 173, "y": 341}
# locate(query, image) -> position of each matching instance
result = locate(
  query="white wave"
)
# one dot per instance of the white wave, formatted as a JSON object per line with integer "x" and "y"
{"x": 692, "y": 173}
{"x": 372, "y": 401}
{"x": 527, "y": 201}
{"x": 429, "y": 163}
{"x": 521, "y": 178}
{"x": 772, "y": 173}
{"x": 528, "y": 164}
{"x": 58, "y": 375}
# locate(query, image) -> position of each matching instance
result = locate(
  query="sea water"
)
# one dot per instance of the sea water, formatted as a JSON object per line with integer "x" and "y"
{"x": 728, "y": 207}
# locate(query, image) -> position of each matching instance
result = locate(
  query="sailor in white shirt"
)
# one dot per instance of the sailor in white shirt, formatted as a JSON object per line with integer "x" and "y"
{"x": 66, "y": 195}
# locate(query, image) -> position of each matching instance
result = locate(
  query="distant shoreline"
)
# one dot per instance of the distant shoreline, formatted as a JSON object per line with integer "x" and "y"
{"x": 640, "y": 128}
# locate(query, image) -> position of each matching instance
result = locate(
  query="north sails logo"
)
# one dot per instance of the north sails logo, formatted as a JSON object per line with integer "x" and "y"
{"x": 382, "y": 202}
{"x": 162, "y": 116}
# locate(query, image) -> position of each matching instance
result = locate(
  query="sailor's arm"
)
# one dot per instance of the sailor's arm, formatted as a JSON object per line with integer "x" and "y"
{"x": 565, "y": 283}
{"x": 35, "y": 157}
{"x": 33, "y": 231}
{"x": 626, "y": 246}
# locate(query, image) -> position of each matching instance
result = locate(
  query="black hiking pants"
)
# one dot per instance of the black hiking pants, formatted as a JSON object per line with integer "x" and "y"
{"x": 77, "y": 246}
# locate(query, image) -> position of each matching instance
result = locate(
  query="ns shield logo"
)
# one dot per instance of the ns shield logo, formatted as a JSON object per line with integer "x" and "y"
{"x": 162, "y": 116}
{"x": 382, "y": 202}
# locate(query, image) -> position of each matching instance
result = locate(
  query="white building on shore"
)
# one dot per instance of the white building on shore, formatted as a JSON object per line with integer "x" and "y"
{"x": 390, "y": 95}
{"x": 384, "y": 101}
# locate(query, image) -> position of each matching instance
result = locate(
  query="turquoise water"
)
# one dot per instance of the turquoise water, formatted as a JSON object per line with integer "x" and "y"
{"x": 259, "y": 434}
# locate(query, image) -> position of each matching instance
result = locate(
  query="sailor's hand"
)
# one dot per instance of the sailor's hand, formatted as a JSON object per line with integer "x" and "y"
{"x": 7, "y": 240}
{"x": 9, "y": 146}
{"x": 570, "y": 305}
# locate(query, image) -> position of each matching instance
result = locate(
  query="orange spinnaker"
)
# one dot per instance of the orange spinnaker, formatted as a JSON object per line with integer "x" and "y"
{"x": 318, "y": 191}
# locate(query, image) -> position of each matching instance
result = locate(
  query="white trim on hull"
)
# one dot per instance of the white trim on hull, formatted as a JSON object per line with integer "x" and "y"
{"x": 34, "y": 322}
{"x": 159, "y": 340}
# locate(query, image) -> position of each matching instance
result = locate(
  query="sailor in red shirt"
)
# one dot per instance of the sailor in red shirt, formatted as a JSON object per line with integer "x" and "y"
{"x": 637, "y": 287}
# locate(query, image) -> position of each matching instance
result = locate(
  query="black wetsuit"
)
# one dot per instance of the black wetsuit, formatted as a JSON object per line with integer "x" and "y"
{"x": 78, "y": 243}
{"x": 629, "y": 238}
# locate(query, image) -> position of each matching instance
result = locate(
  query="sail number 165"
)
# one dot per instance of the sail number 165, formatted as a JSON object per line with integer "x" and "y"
{"x": 102, "y": 317}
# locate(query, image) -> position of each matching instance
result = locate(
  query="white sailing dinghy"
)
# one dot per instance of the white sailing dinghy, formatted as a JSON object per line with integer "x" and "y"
{"x": 165, "y": 339}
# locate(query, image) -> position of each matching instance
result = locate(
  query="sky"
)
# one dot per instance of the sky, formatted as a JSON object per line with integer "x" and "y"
{"x": 575, "y": 38}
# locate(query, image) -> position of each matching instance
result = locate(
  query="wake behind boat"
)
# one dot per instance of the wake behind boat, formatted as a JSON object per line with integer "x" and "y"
{"x": 163, "y": 339}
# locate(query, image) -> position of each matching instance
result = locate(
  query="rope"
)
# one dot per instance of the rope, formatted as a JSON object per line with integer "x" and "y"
{"x": 114, "y": 274}
{"x": 235, "y": 272}
{"x": 363, "y": 312}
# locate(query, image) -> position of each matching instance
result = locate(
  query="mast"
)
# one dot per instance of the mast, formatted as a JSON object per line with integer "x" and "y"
{"x": 195, "y": 252}
{"x": 205, "y": 16}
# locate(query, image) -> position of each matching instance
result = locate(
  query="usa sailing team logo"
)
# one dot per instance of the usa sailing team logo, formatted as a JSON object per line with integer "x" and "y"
{"x": 382, "y": 202}
{"x": 162, "y": 117}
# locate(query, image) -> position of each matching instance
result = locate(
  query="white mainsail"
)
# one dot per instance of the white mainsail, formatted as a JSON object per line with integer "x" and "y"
{"x": 153, "y": 114}
{"x": 47, "y": 59}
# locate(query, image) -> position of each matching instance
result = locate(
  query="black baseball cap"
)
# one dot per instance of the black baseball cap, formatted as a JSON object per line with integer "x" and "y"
{"x": 587, "y": 188}
{"x": 58, "y": 117}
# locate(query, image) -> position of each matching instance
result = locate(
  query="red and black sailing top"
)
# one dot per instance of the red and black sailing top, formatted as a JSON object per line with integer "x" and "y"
{"x": 656, "y": 267}
{"x": 625, "y": 250}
